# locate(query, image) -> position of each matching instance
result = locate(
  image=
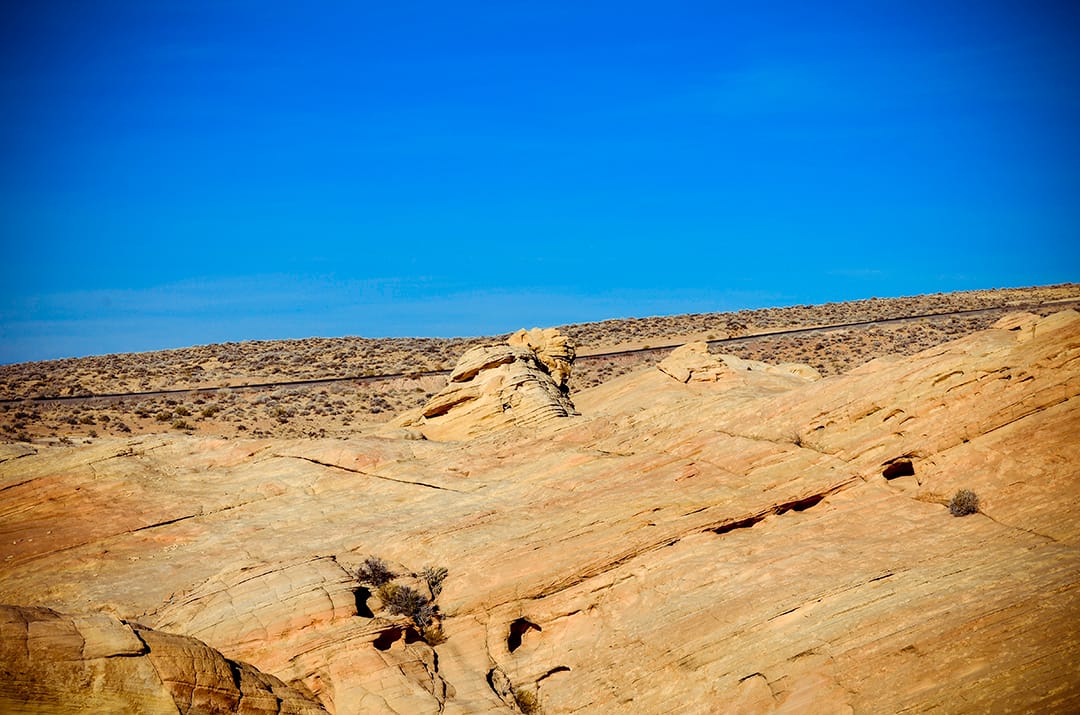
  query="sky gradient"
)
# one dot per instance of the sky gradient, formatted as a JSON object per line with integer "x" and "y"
{"x": 180, "y": 173}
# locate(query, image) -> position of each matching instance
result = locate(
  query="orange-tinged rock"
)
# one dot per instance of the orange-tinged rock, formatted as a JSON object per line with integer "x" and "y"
{"x": 757, "y": 543}
{"x": 95, "y": 663}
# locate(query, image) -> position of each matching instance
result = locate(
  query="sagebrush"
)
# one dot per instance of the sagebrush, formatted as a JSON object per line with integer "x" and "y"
{"x": 964, "y": 502}
{"x": 374, "y": 571}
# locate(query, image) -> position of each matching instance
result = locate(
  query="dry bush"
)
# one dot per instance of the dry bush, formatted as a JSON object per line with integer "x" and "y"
{"x": 964, "y": 502}
{"x": 374, "y": 571}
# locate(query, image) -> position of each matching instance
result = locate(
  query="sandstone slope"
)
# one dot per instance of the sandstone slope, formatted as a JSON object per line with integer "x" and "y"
{"x": 750, "y": 542}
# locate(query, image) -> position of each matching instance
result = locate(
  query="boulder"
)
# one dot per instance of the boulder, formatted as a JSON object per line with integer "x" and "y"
{"x": 492, "y": 387}
{"x": 694, "y": 363}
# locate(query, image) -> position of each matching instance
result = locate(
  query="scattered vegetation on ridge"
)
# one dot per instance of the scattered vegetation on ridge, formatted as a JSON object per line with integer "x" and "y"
{"x": 336, "y": 409}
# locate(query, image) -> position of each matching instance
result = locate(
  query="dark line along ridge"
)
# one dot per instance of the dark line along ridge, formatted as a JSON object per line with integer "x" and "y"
{"x": 433, "y": 373}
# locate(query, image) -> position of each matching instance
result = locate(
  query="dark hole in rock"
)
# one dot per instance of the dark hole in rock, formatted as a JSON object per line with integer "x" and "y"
{"x": 742, "y": 524}
{"x": 802, "y": 504}
{"x": 898, "y": 468}
{"x": 387, "y": 638}
{"x": 517, "y": 629}
{"x": 411, "y": 635}
{"x": 362, "y": 609}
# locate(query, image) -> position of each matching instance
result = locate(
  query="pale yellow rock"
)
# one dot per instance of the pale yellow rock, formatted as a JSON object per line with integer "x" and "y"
{"x": 263, "y": 603}
{"x": 104, "y": 636}
{"x": 762, "y": 543}
{"x": 494, "y": 387}
{"x": 1016, "y": 321}
{"x": 694, "y": 363}
{"x": 554, "y": 350}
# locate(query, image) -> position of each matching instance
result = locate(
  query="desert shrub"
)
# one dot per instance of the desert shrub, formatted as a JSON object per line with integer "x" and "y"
{"x": 434, "y": 576}
{"x": 427, "y": 613}
{"x": 406, "y": 601}
{"x": 433, "y": 634}
{"x": 527, "y": 701}
{"x": 374, "y": 571}
{"x": 181, "y": 424}
{"x": 964, "y": 502}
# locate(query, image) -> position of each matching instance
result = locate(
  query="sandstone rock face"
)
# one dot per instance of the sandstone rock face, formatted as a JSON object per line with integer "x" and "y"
{"x": 553, "y": 349}
{"x": 694, "y": 363}
{"x": 54, "y": 663}
{"x": 522, "y": 383}
{"x": 759, "y": 543}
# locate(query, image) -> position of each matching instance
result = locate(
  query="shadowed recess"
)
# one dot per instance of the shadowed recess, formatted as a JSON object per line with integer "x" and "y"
{"x": 518, "y": 629}
{"x": 361, "y": 595}
{"x": 899, "y": 467}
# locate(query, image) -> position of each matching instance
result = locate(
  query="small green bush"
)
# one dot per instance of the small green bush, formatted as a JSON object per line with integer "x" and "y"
{"x": 964, "y": 502}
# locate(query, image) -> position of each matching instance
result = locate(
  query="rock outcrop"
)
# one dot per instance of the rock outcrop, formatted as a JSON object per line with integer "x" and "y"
{"x": 522, "y": 383}
{"x": 692, "y": 547}
{"x": 553, "y": 349}
{"x": 56, "y": 663}
{"x": 694, "y": 363}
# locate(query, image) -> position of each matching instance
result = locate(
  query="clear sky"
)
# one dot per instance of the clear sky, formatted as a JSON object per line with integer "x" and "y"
{"x": 180, "y": 172}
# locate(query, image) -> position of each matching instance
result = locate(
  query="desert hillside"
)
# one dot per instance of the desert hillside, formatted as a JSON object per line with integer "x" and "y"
{"x": 330, "y": 387}
{"x": 886, "y": 523}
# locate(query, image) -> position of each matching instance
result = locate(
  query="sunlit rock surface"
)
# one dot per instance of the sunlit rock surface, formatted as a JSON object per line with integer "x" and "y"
{"x": 743, "y": 544}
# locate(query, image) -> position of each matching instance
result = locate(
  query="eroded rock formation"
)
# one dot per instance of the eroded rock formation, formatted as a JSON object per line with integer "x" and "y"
{"x": 521, "y": 383}
{"x": 553, "y": 349}
{"x": 694, "y": 363}
{"x": 57, "y": 663}
{"x": 680, "y": 546}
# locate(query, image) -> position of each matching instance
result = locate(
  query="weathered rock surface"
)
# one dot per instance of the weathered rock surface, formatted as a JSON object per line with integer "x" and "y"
{"x": 694, "y": 363}
{"x": 522, "y": 384}
{"x": 56, "y": 663}
{"x": 553, "y": 349}
{"x": 770, "y": 545}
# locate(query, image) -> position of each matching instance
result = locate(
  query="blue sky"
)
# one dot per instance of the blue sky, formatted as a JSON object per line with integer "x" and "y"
{"x": 179, "y": 173}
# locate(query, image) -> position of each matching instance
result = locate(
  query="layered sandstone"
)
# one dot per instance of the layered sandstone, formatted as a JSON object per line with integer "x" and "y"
{"x": 96, "y": 663}
{"x": 754, "y": 541}
{"x": 521, "y": 383}
{"x": 694, "y": 363}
